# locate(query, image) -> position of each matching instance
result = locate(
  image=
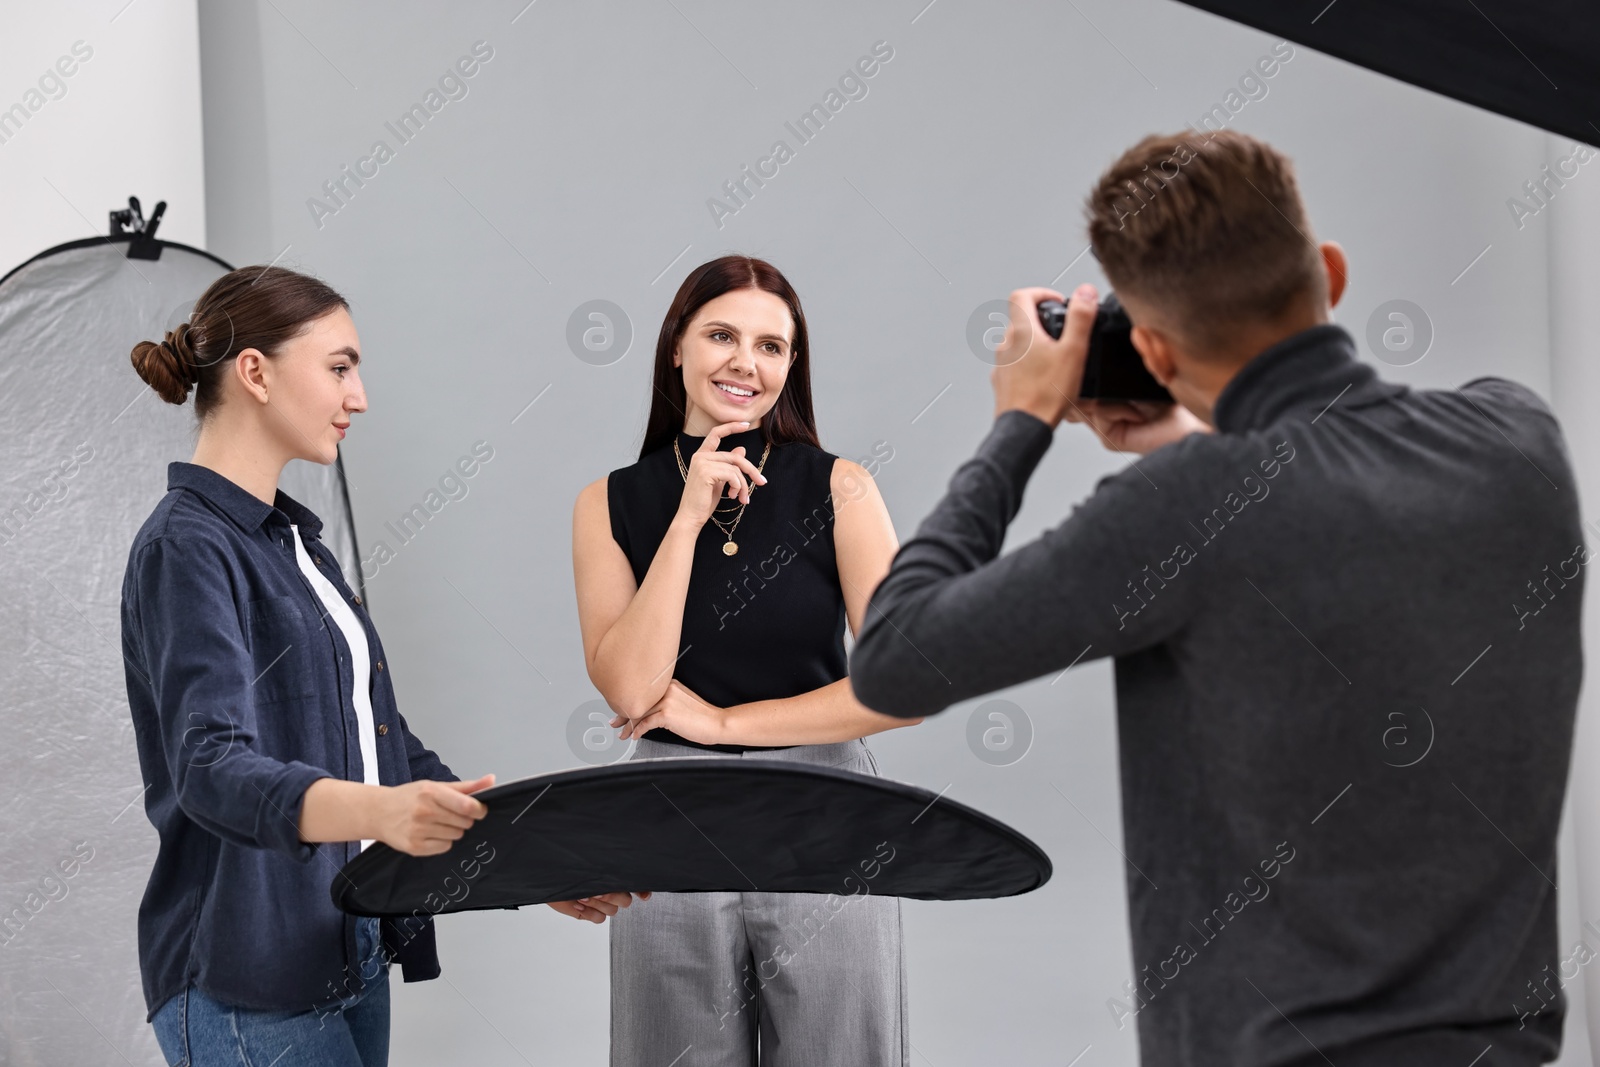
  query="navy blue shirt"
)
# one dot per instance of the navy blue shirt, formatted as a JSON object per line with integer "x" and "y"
{"x": 240, "y": 691}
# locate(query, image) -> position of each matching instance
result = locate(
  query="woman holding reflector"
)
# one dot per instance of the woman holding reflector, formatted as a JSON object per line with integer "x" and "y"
{"x": 264, "y": 713}
{"x": 714, "y": 579}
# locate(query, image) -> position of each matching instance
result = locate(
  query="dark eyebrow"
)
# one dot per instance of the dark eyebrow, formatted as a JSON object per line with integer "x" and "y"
{"x": 734, "y": 329}
{"x": 355, "y": 357}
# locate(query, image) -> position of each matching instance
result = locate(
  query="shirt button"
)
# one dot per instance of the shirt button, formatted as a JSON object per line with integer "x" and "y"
{"x": 318, "y": 559}
{"x": 383, "y": 728}
{"x": 356, "y": 599}
{"x": 380, "y": 664}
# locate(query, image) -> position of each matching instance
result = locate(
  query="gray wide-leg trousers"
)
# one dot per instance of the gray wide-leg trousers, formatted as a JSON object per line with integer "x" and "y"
{"x": 776, "y": 979}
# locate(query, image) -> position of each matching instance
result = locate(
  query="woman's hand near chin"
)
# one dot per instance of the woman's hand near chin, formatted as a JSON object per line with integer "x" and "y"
{"x": 711, "y": 472}
{"x": 599, "y": 908}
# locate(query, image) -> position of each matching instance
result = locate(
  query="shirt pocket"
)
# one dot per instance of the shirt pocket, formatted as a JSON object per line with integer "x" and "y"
{"x": 280, "y": 646}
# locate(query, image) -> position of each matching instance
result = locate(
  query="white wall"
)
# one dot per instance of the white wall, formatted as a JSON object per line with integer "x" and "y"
{"x": 125, "y": 122}
{"x": 73, "y": 146}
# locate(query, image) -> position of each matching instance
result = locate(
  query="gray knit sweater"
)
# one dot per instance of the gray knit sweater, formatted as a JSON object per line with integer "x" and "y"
{"x": 1346, "y": 631}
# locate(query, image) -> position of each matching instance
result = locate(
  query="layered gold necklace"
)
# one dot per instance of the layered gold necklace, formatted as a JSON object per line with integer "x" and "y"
{"x": 724, "y": 525}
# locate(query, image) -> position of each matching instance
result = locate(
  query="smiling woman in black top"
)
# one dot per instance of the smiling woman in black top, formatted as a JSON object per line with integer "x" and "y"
{"x": 715, "y": 578}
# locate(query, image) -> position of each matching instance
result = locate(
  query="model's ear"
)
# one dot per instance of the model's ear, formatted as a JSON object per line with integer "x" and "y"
{"x": 1155, "y": 349}
{"x": 253, "y": 370}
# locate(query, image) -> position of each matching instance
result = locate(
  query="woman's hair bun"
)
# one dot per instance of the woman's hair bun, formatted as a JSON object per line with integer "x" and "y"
{"x": 260, "y": 307}
{"x": 168, "y": 366}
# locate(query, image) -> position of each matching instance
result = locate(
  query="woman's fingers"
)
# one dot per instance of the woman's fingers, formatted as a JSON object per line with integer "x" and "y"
{"x": 738, "y": 474}
{"x": 635, "y": 727}
{"x": 715, "y": 475}
{"x": 722, "y": 474}
{"x": 743, "y": 462}
{"x": 434, "y": 846}
{"x": 719, "y": 431}
{"x": 452, "y": 797}
{"x": 443, "y": 815}
{"x": 735, "y": 458}
{"x": 727, "y": 477}
{"x": 750, "y": 469}
{"x": 604, "y": 905}
{"x": 580, "y": 910}
{"x": 735, "y": 472}
{"x": 572, "y": 909}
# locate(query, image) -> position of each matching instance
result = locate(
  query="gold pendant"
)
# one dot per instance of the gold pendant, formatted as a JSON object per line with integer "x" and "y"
{"x": 729, "y": 549}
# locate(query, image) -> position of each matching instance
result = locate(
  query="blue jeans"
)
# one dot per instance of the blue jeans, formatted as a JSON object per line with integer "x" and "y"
{"x": 196, "y": 1031}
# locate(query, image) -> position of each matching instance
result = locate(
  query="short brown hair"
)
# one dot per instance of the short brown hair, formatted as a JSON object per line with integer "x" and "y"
{"x": 252, "y": 307}
{"x": 1207, "y": 227}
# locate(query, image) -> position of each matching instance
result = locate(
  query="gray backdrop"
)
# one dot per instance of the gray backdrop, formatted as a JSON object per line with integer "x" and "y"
{"x": 575, "y": 165}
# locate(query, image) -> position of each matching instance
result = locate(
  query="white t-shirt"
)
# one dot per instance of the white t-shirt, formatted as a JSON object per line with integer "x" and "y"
{"x": 356, "y": 637}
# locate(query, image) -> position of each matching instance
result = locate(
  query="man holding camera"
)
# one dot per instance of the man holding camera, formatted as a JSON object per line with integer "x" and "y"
{"x": 1345, "y": 620}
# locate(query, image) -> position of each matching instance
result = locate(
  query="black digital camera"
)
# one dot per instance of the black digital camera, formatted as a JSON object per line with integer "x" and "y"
{"x": 1114, "y": 369}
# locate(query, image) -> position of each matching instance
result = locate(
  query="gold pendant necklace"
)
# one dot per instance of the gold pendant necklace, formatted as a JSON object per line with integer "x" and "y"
{"x": 730, "y": 548}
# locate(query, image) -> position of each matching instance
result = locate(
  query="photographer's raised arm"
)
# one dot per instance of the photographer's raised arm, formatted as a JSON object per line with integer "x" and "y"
{"x": 952, "y": 621}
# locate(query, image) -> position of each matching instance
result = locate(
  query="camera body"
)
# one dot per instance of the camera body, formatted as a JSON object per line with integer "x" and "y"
{"x": 1114, "y": 370}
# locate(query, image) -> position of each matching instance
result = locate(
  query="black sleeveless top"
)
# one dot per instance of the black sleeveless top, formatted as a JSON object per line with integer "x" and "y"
{"x": 767, "y": 622}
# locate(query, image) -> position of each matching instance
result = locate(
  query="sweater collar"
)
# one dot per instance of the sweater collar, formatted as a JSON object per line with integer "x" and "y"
{"x": 1303, "y": 374}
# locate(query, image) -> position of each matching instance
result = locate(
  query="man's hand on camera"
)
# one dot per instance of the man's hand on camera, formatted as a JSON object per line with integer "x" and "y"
{"x": 1140, "y": 426}
{"x": 1033, "y": 371}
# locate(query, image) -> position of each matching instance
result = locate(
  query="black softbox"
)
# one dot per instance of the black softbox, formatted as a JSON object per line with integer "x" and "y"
{"x": 1533, "y": 60}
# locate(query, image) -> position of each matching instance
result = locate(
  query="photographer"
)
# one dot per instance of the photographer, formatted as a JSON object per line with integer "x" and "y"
{"x": 1345, "y": 617}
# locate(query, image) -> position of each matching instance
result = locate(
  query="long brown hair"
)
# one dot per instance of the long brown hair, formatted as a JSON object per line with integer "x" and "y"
{"x": 791, "y": 418}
